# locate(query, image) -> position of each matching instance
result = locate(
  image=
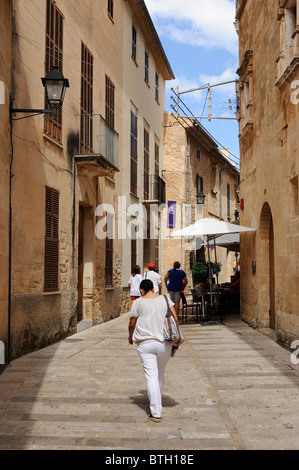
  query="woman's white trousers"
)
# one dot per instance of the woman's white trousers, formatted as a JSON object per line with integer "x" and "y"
{"x": 154, "y": 356}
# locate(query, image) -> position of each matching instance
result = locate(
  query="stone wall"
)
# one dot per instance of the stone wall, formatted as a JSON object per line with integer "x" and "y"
{"x": 5, "y": 89}
{"x": 269, "y": 170}
{"x": 180, "y": 177}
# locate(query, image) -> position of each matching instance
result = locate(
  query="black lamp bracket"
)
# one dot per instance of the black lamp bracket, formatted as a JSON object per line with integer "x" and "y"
{"x": 31, "y": 112}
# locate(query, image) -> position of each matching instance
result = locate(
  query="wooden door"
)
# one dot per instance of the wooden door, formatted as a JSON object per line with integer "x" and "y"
{"x": 80, "y": 264}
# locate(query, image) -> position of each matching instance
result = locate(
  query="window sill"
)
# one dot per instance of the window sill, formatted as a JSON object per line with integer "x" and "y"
{"x": 57, "y": 292}
{"x": 109, "y": 288}
{"x": 53, "y": 141}
{"x": 134, "y": 195}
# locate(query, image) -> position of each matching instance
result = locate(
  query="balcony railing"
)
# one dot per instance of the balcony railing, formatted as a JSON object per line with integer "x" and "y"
{"x": 154, "y": 189}
{"x": 97, "y": 143}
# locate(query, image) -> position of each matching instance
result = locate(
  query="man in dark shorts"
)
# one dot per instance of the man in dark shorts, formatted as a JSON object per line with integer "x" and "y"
{"x": 175, "y": 281}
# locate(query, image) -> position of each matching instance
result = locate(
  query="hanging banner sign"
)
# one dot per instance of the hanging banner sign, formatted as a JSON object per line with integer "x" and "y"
{"x": 171, "y": 214}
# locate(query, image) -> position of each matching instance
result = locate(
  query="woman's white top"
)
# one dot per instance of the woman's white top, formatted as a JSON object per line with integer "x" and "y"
{"x": 150, "y": 314}
{"x": 135, "y": 283}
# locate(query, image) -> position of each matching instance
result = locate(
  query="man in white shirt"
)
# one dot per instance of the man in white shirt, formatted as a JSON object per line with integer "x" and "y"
{"x": 154, "y": 277}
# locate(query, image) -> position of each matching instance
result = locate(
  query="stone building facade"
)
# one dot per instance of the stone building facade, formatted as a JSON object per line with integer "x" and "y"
{"x": 5, "y": 150}
{"x": 269, "y": 112}
{"x": 69, "y": 269}
{"x": 194, "y": 163}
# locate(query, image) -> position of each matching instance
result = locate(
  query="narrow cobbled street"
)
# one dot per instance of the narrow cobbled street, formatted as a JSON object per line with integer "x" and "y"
{"x": 229, "y": 387}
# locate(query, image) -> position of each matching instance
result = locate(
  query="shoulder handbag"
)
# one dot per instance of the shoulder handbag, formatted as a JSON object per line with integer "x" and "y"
{"x": 171, "y": 329}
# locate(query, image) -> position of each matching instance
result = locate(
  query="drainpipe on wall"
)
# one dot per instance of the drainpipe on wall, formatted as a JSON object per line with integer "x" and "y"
{"x": 220, "y": 191}
{"x": 10, "y": 238}
{"x": 188, "y": 188}
{"x": 189, "y": 168}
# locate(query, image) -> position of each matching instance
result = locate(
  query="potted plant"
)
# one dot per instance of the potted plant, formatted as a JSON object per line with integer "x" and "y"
{"x": 216, "y": 267}
{"x": 200, "y": 272}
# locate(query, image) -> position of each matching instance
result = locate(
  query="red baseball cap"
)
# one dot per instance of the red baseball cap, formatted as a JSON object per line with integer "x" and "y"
{"x": 151, "y": 265}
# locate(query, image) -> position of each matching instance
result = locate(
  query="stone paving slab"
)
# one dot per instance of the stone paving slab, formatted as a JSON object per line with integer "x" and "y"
{"x": 228, "y": 388}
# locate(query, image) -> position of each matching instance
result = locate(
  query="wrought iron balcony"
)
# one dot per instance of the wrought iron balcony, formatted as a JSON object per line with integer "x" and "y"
{"x": 154, "y": 189}
{"x": 97, "y": 146}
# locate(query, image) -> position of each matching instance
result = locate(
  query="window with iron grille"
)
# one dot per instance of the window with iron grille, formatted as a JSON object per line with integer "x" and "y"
{"x": 146, "y": 67}
{"x": 86, "y": 132}
{"x": 146, "y": 165}
{"x": 109, "y": 102}
{"x": 51, "y": 240}
{"x": 134, "y": 42}
{"x": 54, "y": 58}
{"x": 134, "y": 155}
{"x": 109, "y": 252}
{"x": 157, "y": 170}
{"x": 110, "y": 8}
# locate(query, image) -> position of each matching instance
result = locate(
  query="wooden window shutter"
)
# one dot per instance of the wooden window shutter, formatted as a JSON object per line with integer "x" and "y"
{"x": 109, "y": 252}
{"x": 157, "y": 170}
{"x": 134, "y": 156}
{"x": 51, "y": 240}
{"x": 146, "y": 164}
{"x": 54, "y": 57}
{"x": 134, "y": 43}
{"x": 86, "y": 132}
{"x": 110, "y": 8}
{"x": 110, "y": 102}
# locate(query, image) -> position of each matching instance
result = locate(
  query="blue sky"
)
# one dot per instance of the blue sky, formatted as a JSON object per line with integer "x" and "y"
{"x": 201, "y": 43}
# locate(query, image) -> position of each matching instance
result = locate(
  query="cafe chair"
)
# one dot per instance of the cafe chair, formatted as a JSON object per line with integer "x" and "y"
{"x": 216, "y": 309}
{"x": 194, "y": 305}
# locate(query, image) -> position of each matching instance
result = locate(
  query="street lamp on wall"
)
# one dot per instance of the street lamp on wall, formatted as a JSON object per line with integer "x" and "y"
{"x": 55, "y": 85}
{"x": 200, "y": 197}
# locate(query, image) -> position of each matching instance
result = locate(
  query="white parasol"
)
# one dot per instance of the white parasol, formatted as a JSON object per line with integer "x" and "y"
{"x": 211, "y": 229}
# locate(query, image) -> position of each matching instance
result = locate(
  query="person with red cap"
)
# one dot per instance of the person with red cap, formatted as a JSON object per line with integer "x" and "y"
{"x": 154, "y": 277}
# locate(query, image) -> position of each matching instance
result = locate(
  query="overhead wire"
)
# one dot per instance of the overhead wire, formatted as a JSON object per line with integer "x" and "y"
{"x": 194, "y": 118}
{"x": 194, "y": 134}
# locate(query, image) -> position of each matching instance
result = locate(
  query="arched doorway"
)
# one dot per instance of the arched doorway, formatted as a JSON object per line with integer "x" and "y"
{"x": 267, "y": 269}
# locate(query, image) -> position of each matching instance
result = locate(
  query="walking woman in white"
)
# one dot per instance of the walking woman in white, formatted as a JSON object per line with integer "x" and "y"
{"x": 146, "y": 330}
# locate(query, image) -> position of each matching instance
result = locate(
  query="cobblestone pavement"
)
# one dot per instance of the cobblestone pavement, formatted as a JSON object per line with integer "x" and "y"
{"x": 228, "y": 387}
